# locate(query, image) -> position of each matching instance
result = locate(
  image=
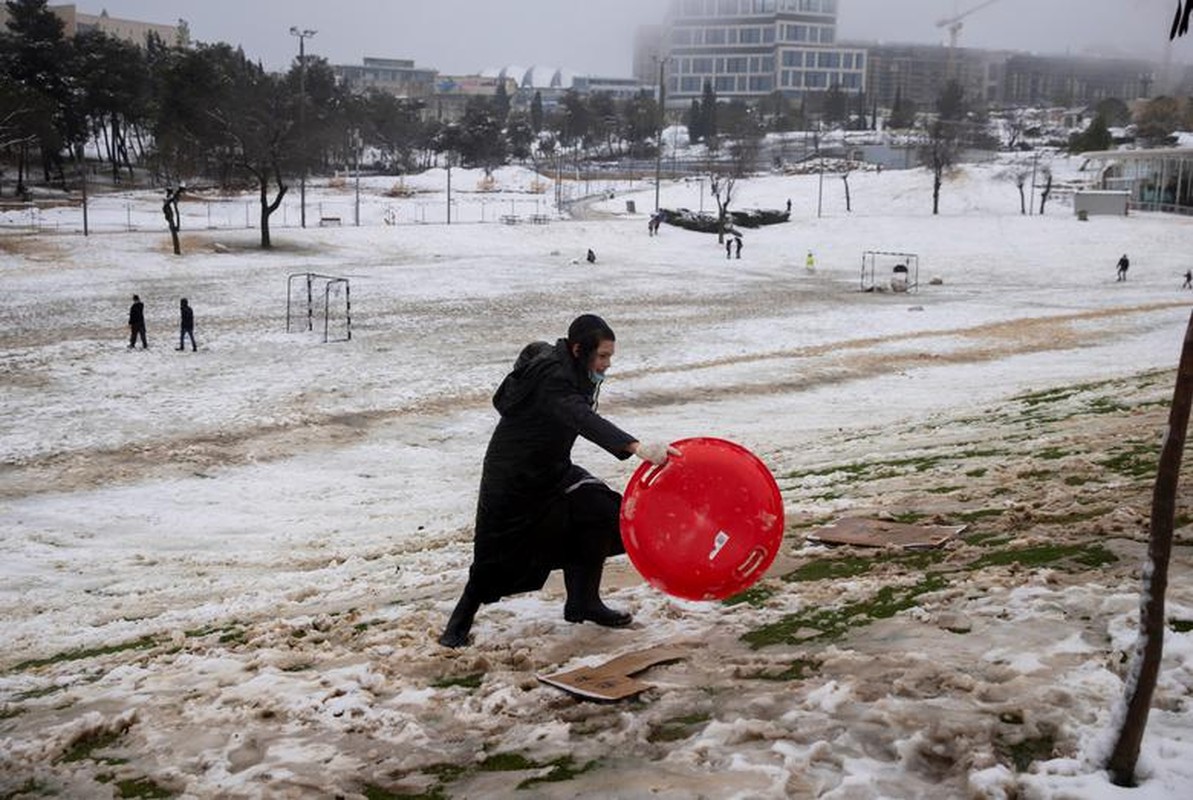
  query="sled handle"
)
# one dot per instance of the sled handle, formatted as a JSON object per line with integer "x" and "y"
{"x": 651, "y": 476}
{"x": 753, "y": 560}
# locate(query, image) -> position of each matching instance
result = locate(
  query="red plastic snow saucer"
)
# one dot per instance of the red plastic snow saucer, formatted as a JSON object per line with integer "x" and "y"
{"x": 704, "y": 525}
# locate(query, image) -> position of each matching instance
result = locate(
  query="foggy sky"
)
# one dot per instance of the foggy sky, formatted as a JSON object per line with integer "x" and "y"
{"x": 596, "y": 36}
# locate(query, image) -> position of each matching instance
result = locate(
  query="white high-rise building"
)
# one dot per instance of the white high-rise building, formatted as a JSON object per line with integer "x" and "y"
{"x": 749, "y": 48}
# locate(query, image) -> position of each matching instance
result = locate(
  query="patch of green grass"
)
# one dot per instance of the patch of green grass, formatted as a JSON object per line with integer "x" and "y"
{"x": 562, "y": 769}
{"x": 826, "y": 568}
{"x": 944, "y": 489}
{"x": 1023, "y": 753}
{"x": 1137, "y": 461}
{"x": 301, "y": 667}
{"x": 234, "y": 636}
{"x": 1051, "y": 453}
{"x": 1107, "y": 405}
{"x": 374, "y": 792}
{"x": 831, "y": 623}
{"x": 1076, "y": 480}
{"x": 144, "y": 643}
{"x": 29, "y": 787}
{"x": 1072, "y": 517}
{"x": 471, "y": 681}
{"x": 677, "y": 729}
{"x": 989, "y": 539}
{"x": 976, "y": 473}
{"x": 1035, "y": 473}
{"x": 755, "y": 596}
{"x": 908, "y": 517}
{"x": 83, "y": 747}
{"x": 1092, "y": 556}
{"x": 142, "y": 788}
{"x": 969, "y": 517}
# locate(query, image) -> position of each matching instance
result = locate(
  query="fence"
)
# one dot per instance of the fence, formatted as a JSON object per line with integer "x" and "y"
{"x": 115, "y": 214}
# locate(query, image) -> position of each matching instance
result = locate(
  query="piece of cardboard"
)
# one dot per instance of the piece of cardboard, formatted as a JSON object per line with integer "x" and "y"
{"x": 882, "y": 533}
{"x": 611, "y": 680}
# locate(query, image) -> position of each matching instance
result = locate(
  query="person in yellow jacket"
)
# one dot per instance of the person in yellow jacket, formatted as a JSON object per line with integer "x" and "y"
{"x": 810, "y": 262}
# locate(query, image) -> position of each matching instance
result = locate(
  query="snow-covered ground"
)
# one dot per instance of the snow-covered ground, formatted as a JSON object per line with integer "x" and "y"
{"x": 224, "y": 571}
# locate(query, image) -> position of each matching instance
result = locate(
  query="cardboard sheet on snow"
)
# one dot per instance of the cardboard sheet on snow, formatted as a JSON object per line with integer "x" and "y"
{"x": 611, "y": 680}
{"x": 882, "y": 533}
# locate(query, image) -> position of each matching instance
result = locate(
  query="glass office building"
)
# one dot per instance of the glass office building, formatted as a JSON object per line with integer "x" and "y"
{"x": 750, "y": 48}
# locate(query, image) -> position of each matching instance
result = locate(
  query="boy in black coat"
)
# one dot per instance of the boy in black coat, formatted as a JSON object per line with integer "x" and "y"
{"x": 187, "y": 326}
{"x": 136, "y": 323}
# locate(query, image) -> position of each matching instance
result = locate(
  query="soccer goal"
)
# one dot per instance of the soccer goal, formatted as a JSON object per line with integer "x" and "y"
{"x": 327, "y": 299}
{"x": 884, "y": 271}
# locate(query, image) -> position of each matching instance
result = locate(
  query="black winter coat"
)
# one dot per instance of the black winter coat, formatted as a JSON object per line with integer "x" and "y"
{"x": 136, "y": 315}
{"x": 521, "y": 533}
{"x": 188, "y": 318}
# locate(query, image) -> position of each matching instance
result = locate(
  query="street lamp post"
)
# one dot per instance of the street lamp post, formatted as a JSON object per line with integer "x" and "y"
{"x": 302, "y": 35}
{"x": 658, "y": 164}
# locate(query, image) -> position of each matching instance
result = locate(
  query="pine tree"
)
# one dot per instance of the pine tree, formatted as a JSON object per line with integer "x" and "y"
{"x": 536, "y": 112}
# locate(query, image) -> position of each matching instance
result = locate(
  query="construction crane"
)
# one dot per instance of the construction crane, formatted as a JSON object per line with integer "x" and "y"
{"x": 954, "y": 23}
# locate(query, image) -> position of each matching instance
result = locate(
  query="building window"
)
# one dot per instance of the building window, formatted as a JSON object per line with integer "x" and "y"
{"x": 816, "y": 80}
{"x": 762, "y": 83}
{"x": 795, "y": 33}
{"x": 714, "y": 36}
{"x": 681, "y": 37}
{"x": 725, "y": 83}
{"x": 737, "y": 65}
{"x": 689, "y": 85}
{"x": 750, "y": 35}
{"x": 768, "y": 35}
{"x": 727, "y": 8}
{"x": 701, "y": 65}
{"x": 793, "y": 58}
{"x": 830, "y": 60}
{"x": 851, "y": 80}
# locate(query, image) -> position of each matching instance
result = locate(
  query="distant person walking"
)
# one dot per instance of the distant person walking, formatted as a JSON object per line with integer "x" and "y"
{"x": 136, "y": 323}
{"x": 1188, "y": 284}
{"x": 810, "y": 262}
{"x": 737, "y": 246}
{"x": 1123, "y": 265}
{"x": 187, "y": 326}
{"x": 728, "y": 249}
{"x": 591, "y": 256}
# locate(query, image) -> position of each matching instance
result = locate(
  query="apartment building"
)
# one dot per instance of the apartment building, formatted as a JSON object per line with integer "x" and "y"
{"x": 746, "y": 49}
{"x": 76, "y": 22}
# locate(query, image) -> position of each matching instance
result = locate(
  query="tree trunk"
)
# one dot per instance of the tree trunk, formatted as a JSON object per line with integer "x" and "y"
{"x": 1149, "y": 647}
{"x": 173, "y": 221}
{"x": 267, "y": 208}
{"x": 936, "y": 182}
{"x": 848, "y": 203}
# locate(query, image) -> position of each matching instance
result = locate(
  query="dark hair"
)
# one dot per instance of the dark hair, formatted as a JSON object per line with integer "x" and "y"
{"x": 588, "y": 331}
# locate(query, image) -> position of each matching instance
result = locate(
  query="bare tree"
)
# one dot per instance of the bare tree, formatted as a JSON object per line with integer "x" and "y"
{"x": 939, "y": 152}
{"x": 720, "y": 186}
{"x": 845, "y": 180}
{"x": 173, "y": 218}
{"x": 1018, "y": 174}
{"x": 1046, "y": 192}
{"x": 1149, "y": 646}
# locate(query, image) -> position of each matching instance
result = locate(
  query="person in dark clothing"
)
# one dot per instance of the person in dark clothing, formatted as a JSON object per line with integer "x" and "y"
{"x": 537, "y": 511}
{"x": 1188, "y": 284}
{"x": 728, "y": 249}
{"x": 1123, "y": 265}
{"x": 188, "y": 326}
{"x": 136, "y": 323}
{"x": 591, "y": 257}
{"x": 737, "y": 246}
